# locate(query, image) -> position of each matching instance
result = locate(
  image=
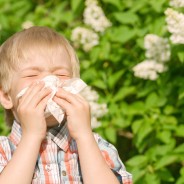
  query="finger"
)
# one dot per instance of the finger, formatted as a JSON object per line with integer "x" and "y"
{"x": 66, "y": 106}
{"x": 43, "y": 103}
{"x": 71, "y": 98}
{"x": 79, "y": 104}
{"x": 31, "y": 91}
{"x": 32, "y": 103}
{"x": 80, "y": 97}
{"x": 28, "y": 92}
{"x": 39, "y": 96}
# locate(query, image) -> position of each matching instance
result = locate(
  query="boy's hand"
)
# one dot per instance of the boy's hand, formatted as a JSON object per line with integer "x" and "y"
{"x": 77, "y": 113}
{"x": 31, "y": 108}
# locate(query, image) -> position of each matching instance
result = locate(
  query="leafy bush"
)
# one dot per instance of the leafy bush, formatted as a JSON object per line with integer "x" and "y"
{"x": 145, "y": 117}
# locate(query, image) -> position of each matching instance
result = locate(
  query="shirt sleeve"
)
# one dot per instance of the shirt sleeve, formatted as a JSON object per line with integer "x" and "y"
{"x": 5, "y": 152}
{"x": 113, "y": 160}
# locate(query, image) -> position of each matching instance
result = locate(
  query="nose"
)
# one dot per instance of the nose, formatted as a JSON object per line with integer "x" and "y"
{"x": 51, "y": 80}
{"x": 48, "y": 74}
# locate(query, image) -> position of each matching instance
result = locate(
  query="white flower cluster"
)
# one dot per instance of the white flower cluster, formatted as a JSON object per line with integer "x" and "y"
{"x": 148, "y": 69}
{"x": 175, "y": 25}
{"x": 84, "y": 37}
{"x": 89, "y": 2}
{"x": 157, "y": 48}
{"x": 97, "y": 110}
{"x": 27, "y": 24}
{"x": 95, "y": 17}
{"x": 157, "y": 53}
{"x": 177, "y": 3}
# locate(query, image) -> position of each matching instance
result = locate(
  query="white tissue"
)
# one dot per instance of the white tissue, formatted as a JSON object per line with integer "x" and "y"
{"x": 74, "y": 85}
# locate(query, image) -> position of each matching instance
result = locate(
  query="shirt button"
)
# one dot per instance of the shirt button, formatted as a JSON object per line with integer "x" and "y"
{"x": 63, "y": 173}
{"x": 48, "y": 168}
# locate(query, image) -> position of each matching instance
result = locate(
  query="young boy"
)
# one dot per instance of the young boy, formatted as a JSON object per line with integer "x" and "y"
{"x": 37, "y": 149}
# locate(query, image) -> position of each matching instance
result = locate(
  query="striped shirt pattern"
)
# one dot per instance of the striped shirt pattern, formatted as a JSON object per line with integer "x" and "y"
{"x": 58, "y": 159}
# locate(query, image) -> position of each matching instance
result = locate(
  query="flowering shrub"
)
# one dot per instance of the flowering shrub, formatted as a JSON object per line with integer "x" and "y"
{"x": 94, "y": 16}
{"x": 132, "y": 56}
{"x": 174, "y": 20}
{"x": 97, "y": 110}
{"x": 86, "y": 38}
{"x": 157, "y": 53}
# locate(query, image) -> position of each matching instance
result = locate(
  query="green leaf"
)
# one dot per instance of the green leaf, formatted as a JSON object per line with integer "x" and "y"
{"x": 3, "y": 20}
{"x": 182, "y": 171}
{"x": 180, "y": 180}
{"x": 136, "y": 126}
{"x": 156, "y": 27}
{"x": 181, "y": 95}
{"x": 136, "y": 108}
{"x": 152, "y": 178}
{"x": 126, "y": 17}
{"x": 161, "y": 101}
{"x": 124, "y": 92}
{"x": 94, "y": 54}
{"x": 105, "y": 50}
{"x": 144, "y": 130}
{"x": 138, "y": 174}
{"x": 157, "y": 6}
{"x": 180, "y": 131}
{"x": 110, "y": 133}
{"x": 89, "y": 74}
{"x": 77, "y": 7}
{"x": 113, "y": 107}
{"x": 164, "y": 136}
{"x": 137, "y": 5}
{"x": 76, "y": 4}
{"x": 165, "y": 175}
{"x": 116, "y": 3}
{"x": 137, "y": 161}
{"x": 67, "y": 17}
{"x": 181, "y": 56}
{"x": 166, "y": 148}
{"x": 168, "y": 109}
{"x": 179, "y": 149}
{"x": 99, "y": 84}
{"x": 166, "y": 160}
{"x": 114, "y": 78}
{"x": 153, "y": 152}
{"x": 152, "y": 100}
{"x": 168, "y": 120}
{"x": 121, "y": 34}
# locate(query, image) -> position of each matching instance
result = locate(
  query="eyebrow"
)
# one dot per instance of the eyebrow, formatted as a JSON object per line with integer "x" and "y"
{"x": 42, "y": 68}
{"x": 32, "y": 68}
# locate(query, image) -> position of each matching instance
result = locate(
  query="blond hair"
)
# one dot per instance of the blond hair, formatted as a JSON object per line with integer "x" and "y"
{"x": 17, "y": 48}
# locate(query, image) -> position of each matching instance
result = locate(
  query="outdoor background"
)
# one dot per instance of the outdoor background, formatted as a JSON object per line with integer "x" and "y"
{"x": 132, "y": 56}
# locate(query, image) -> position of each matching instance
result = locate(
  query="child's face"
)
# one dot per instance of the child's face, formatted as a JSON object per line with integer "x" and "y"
{"x": 36, "y": 68}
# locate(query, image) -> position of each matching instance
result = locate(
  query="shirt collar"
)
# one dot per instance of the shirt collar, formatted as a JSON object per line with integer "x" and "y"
{"x": 59, "y": 135}
{"x": 16, "y": 133}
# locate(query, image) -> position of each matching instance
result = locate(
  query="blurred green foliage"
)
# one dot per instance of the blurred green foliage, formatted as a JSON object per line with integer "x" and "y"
{"x": 4, "y": 130}
{"x": 145, "y": 118}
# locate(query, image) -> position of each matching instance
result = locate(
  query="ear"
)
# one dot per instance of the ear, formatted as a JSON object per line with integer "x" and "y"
{"x": 5, "y": 100}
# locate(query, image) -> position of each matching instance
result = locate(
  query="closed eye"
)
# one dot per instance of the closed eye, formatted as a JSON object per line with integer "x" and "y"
{"x": 29, "y": 76}
{"x": 63, "y": 76}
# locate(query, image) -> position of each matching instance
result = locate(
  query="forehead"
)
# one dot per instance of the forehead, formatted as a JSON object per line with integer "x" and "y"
{"x": 45, "y": 56}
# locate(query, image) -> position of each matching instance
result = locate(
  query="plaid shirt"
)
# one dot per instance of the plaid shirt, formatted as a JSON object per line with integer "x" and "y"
{"x": 58, "y": 159}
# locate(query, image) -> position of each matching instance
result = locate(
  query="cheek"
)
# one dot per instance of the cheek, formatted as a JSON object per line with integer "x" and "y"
{"x": 15, "y": 89}
{"x": 23, "y": 83}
